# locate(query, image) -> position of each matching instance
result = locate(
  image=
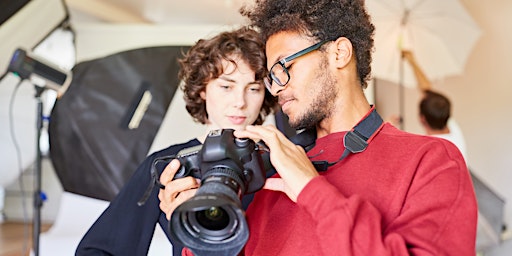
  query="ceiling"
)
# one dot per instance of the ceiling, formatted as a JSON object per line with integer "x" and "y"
{"x": 168, "y": 12}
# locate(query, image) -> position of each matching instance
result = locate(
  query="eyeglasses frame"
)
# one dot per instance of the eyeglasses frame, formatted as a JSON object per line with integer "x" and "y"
{"x": 272, "y": 78}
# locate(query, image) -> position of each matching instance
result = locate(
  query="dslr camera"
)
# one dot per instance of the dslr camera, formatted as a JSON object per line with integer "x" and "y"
{"x": 213, "y": 221}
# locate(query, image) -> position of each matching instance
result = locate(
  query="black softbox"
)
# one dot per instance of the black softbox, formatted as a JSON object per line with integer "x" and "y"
{"x": 103, "y": 126}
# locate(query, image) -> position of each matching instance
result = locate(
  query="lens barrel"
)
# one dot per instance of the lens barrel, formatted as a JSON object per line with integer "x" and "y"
{"x": 213, "y": 221}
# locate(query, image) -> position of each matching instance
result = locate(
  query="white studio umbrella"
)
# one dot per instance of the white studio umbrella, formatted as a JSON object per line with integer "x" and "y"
{"x": 440, "y": 33}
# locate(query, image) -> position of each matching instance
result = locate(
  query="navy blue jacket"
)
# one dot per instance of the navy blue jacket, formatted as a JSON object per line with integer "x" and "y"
{"x": 126, "y": 228}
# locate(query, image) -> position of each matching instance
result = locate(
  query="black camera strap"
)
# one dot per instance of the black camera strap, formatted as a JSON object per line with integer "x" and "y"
{"x": 155, "y": 178}
{"x": 355, "y": 140}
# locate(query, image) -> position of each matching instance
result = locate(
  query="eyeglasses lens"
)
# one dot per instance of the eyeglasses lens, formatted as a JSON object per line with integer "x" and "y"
{"x": 278, "y": 75}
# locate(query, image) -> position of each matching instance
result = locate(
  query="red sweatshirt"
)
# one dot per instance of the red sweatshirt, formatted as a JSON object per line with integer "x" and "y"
{"x": 404, "y": 195}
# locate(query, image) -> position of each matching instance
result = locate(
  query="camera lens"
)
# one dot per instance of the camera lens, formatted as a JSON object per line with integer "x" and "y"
{"x": 213, "y": 224}
{"x": 214, "y": 218}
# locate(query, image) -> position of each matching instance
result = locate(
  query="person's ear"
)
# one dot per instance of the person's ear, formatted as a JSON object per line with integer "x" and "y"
{"x": 423, "y": 121}
{"x": 343, "y": 51}
{"x": 203, "y": 94}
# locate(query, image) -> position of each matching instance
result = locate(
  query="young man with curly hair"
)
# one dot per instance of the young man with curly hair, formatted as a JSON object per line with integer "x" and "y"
{"x": 365, "y": 187}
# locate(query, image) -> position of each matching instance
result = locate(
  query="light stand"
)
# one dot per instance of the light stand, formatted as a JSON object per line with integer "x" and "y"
{"x": 38, "y": 199}
{"x": 43, "y": 75}
{"x": 401, "y": 93}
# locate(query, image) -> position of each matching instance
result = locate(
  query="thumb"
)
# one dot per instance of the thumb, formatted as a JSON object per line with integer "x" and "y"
{"x": 169, "y": 172}
{"x": 278, "y": 184}
{"x": 275, "y": 184}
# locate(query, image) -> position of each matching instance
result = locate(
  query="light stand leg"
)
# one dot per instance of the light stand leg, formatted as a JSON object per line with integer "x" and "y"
{"x": 38, "y": 200}
{"x": 401, "y": 94}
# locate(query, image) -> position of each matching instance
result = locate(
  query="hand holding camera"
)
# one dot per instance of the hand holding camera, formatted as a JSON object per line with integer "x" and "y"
{"x": 213, "y": 220}
{"x": 176, "y": 191}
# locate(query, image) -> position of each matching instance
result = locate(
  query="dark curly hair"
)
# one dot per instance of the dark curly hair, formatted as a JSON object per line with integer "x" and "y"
{"x": 203, "y": 62}
{"x": 320, "y": 19}
{"x": 436, "y": 109}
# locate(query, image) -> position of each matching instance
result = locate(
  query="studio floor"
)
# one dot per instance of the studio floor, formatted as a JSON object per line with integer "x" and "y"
{"x": 16, "y": 238}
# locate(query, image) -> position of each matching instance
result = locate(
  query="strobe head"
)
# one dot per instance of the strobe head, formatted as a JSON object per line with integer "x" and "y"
{"x": 41, "y": 72}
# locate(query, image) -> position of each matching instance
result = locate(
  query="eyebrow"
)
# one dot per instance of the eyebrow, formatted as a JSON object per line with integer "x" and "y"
{"x": 280, "y": 57}
{"x": 223, "y": 77}
{"x": 227, "y": 79}
{"x": 283, "y": 56}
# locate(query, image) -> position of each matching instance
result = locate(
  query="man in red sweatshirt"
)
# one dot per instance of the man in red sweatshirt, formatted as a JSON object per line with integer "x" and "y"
{"x": 364, "y": 187}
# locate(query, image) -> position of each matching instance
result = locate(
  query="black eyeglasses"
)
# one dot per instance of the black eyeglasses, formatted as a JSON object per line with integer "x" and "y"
{"x": 279, "y": 73}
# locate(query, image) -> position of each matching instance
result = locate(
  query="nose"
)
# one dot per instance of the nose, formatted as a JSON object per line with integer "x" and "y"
{"x": 276, "y": 89}
{"x": 239, "y": 100}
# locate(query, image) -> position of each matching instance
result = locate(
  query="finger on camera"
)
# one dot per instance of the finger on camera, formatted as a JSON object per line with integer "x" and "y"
{"x": 185, "y": 195}
{"x": 182, "y": 184}
{"x": 247, "y": 134}
{"x": 272, "y": 137}
{"x": 169, "y": 171}
{"x": 253, "y": 132}
{"x": 168, "y": 206}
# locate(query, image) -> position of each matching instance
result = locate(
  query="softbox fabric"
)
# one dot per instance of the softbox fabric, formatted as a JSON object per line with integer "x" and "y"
{"x": 101, "y": 129}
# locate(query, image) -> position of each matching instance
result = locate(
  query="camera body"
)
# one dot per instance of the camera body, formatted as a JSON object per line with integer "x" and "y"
{"x": 224, "y": 155}
{"x": 212, "y": 222}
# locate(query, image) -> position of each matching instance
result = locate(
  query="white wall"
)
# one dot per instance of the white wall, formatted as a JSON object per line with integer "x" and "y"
{"x": 480, "y": 98}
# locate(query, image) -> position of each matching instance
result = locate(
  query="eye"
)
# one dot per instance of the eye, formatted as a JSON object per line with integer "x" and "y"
{"x": 255, "y": 88}
{"x": 225, "y": 86}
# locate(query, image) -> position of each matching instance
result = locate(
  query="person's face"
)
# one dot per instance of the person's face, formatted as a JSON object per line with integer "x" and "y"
{"x": 309, "y": 95}
{"x": 234, "y": 99}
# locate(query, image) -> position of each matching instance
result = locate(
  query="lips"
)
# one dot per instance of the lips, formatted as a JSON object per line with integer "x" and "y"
{"x": 237, "y": 120}
{"x": 284, "y": 102}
